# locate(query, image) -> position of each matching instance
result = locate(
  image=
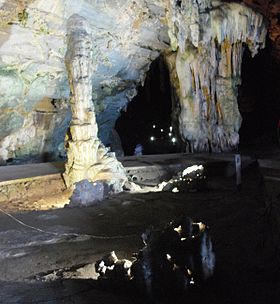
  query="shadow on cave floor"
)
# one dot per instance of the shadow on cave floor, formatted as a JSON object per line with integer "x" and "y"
{"x": 243, "y": 228}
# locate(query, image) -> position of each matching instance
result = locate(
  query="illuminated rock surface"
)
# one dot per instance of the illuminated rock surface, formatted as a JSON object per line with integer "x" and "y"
{"x": 172, "y": 260}
{"x": 208, "y": 38}
{"x": 127, "y": 36}
{"x": 87, "y": 158}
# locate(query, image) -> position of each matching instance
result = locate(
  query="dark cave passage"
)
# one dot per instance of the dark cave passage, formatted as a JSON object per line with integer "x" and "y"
{"x": 259, "y": 98}
{"x": 147, "y": 120}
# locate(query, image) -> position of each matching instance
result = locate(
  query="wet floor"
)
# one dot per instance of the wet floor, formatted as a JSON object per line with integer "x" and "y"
{"x": 242, "y": 225}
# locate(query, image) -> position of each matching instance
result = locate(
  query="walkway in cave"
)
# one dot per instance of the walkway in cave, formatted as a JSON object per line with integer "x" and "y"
{"x": 244, "y": 235}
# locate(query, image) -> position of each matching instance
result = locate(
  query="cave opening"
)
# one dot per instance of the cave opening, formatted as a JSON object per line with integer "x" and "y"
{"x": 258, "y": 99}
{"x": 146, "y": 125}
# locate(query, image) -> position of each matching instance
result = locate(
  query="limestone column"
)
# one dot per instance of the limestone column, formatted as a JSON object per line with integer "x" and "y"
{"x": 87, "y": 158}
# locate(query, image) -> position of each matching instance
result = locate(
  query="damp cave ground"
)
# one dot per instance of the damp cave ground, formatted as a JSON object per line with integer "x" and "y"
{"x": 243, "y": 226}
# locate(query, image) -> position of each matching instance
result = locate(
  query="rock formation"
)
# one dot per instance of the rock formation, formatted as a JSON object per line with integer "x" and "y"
{"x": 172, "y": 261}
{"x": 270, "y": 9}
{"x": 128, "y": 36}
{"x": 208, "y": 37}
{"x": 203, "y": 41}
{"x": 87, "y": 158}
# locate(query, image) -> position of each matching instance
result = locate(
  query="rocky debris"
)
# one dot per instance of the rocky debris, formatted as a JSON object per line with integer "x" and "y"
{"x": 192, "y": 178}
{"x": 172, "y": 261}
{"x": 110, "y": 267}
{"x": 87, "y": 193}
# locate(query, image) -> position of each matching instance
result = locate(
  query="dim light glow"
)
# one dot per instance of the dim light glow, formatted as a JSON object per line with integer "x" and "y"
{"x": 168, "y": 256}
{"x": 178, "y": 229}
{"x": 192, "y": 169}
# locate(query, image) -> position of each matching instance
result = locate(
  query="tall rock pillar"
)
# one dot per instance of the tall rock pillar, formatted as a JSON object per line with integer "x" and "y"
{"x": 87, "y": 158}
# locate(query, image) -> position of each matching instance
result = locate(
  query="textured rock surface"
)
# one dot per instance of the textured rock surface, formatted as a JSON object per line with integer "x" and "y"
{"x": 208, "y": 38}
{"x": 127, "y": 36}
{"x": 271, "y": 10}
{"x": 87, "y": 158}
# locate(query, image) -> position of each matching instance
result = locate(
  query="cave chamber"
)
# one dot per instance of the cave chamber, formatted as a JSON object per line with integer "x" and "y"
{"x": 147, "y": 124}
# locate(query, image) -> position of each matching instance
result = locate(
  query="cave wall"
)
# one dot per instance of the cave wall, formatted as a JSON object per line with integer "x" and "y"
{"x": 127, "y": 36}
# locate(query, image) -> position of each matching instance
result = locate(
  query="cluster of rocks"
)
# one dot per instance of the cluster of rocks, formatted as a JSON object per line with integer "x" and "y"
{"x": 170, "y": 263}
{"x": 193, "y": 178}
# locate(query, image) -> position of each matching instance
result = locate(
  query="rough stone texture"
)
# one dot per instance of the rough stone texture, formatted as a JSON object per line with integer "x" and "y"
{"x": 87, "y": 158}
{"x": 37, "y": 194}
{"x": 208, "y": 39}
{"x": 271, "y": 10}
{"x": 86, "y": 193}
{"x": 127, "y": 36}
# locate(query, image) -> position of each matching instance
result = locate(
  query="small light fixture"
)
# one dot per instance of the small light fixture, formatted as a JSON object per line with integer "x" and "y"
{"x": 154, "y": 126}
{"x": 173, "y": 139}
{"x": 152, "y": 138}
{"x": 169, "y": 134}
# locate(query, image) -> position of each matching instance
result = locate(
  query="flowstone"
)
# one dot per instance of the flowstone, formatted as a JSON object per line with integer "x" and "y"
{"x": 87, "y": 158}
{"x": 207, "y": 39}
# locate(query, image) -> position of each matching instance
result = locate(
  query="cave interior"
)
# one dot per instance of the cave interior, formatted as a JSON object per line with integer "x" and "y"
{"x": 139, "y": 151}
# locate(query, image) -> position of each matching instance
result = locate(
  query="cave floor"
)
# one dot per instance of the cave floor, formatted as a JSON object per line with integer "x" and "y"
{"x": 244, "y": 228}
{"x": 40, "y": 186}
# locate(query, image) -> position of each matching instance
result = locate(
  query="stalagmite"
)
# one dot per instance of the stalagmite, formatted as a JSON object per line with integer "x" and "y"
{"x": 88, "y": 159}
{"x": 207, "y": 39}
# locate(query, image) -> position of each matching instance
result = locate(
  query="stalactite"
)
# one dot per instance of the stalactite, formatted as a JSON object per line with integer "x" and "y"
{"x": 87, "y": 158}
{"x": 208, "y": 38}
